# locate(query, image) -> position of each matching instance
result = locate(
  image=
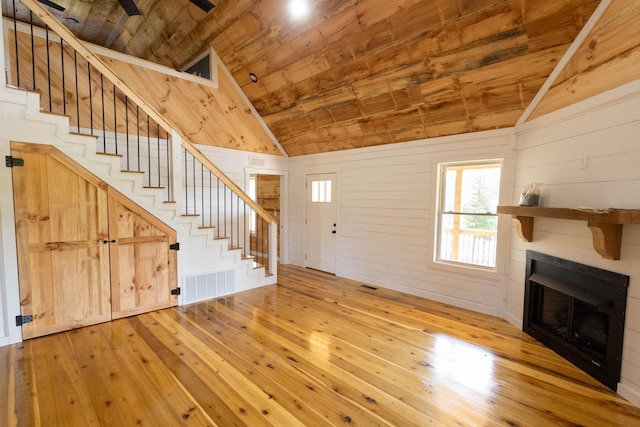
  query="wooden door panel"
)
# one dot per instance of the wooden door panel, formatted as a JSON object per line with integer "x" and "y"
{"x": 143, "y": 268}
{"x": 61, "y": 221}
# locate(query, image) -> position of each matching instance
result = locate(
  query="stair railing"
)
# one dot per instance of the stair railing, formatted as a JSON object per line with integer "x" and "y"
{"x": 71, "y": 80}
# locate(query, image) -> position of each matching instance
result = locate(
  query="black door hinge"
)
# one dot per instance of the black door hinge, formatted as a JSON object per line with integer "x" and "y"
{"x": 21, "y": 320}
{"x": 11, "y": 161}
{"x": 175, "y": 291}
{"x": 175, "y": 246}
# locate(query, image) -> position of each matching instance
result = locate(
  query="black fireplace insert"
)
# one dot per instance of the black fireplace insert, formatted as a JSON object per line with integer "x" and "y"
{"x": 577, "y": 311}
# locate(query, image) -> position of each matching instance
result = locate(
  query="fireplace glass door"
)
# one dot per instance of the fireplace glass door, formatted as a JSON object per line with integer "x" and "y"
{"x": 575, "y": 322}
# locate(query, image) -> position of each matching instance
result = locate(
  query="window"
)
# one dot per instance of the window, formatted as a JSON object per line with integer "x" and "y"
{"x": 467, "y": 230}
{"x": 321, "y": 191}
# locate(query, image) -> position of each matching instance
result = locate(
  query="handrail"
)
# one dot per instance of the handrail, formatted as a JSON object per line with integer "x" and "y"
{"x": 52, "y": 22}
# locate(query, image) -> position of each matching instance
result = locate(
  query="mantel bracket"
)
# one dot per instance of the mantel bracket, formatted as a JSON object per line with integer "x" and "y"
{"x": 607, "y": 238}
{"x": 524, "y": 226}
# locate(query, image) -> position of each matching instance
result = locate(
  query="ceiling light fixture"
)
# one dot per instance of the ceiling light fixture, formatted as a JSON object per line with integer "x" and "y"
{"x": 253, "y": 77}
{"x": 298, "y": 8}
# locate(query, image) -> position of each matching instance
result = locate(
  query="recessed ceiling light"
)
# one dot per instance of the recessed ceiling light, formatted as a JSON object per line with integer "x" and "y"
{"x": 71, "y": 19}
{"x": 298, "y": 8}
{"x": 253, "y": 77}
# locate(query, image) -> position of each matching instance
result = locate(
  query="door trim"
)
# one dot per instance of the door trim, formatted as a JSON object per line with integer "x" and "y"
{"x": 283, "y": 221}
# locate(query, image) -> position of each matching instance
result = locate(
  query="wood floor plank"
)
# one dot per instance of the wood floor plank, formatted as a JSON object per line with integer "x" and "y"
{"x": 371, "y": 404}
{"x": 199, "y": 386}
{"x": 7, "y": 387}
{"x": 314, "y": 350}
{"x": 157, "y": 390}
{"x": 276, "y": 383}
{"x": 250, "y": 401}
{"x": 318, "y": 381}
{"x": 444, "y": 376}
{"x": 94, "y": 362}
{"x": 62, "y": 399}
{"x": 475, "y": 328}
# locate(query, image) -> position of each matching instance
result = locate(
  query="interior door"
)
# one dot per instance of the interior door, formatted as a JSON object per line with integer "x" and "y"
{"x": 86, "y": 254}
{"x": 321, "y": 222}
{"x": 143, "y": 266}
{"x": 62, "y": 233}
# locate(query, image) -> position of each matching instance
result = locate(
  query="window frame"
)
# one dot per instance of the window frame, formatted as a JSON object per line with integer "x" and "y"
{"x": 440, "y": 199}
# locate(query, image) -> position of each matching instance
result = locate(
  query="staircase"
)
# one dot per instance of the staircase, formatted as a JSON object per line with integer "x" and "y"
{"x": 221, "y": 251}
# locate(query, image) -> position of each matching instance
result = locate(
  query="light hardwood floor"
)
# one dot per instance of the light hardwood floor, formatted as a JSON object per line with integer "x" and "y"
{"x": 315, "y": 350}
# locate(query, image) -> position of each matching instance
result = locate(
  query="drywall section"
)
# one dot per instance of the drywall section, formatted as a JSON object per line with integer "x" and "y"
{"x": 586, "y": 155}
{"x": 386, "y": 204}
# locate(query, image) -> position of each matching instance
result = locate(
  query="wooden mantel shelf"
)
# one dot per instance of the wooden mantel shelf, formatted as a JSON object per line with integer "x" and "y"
{"x": 605, "y": 226}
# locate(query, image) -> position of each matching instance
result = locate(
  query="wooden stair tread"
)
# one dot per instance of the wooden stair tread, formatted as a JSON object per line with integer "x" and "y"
{"x": 109, "y": 154}
{"x": 84, "y": 134}
{"x": 10, "y": 86}
{"x": 152, "y": 187}
{"x": 130, "y": 171}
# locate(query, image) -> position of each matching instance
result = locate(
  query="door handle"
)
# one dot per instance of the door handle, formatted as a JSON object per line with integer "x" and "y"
{"x": 333, "y": 232}
{"x": 108, "y": 241}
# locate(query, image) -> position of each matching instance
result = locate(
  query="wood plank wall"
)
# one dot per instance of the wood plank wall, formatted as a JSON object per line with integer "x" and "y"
{"x": 610, "y": 57}
{"x": 207, "y": 116}
{"x": 96, "y": 112}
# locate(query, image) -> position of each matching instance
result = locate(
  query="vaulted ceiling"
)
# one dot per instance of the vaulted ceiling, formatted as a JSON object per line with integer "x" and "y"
{"x": 356, "y": 73}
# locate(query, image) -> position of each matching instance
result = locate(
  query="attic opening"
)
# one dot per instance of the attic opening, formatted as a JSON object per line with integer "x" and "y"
{"x": 204, "y": 65}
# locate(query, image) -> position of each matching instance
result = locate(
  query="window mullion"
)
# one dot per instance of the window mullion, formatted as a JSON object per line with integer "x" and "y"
{"x": 470, "y": 213}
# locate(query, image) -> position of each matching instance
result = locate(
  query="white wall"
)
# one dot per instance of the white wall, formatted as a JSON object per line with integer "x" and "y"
{"x": 606, "y": 129}
{"x": 386, "y": 201}
{"x": 12, "y": 105}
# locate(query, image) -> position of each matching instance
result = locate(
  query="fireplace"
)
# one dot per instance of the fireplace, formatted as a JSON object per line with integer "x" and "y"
{"x": 577, "y": 311}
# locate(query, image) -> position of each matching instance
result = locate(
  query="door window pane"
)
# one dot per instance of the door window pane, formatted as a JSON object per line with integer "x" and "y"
{"x": 321, "y": 191}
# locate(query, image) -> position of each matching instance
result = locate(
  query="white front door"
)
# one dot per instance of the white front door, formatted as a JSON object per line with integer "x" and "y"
{"x": 321, "y": 222}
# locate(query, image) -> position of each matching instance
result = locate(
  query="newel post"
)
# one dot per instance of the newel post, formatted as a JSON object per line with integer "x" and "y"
{"x": 273, "y": 248}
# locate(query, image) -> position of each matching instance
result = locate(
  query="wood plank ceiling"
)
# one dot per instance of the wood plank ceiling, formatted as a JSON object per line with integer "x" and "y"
{"x": 356, "y": 73}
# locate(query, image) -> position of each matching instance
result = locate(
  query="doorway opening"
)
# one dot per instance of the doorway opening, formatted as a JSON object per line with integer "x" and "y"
{"x": 265, "y": 190}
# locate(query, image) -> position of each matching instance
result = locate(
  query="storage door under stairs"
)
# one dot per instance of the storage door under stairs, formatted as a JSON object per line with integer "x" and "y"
{"x": 143, "y": 269}
{"x": 71, "y": 263}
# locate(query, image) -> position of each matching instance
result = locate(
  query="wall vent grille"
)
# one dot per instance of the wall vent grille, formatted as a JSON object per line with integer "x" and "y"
{"x": 256, "y": 162}
{"x": 208, "y": 285}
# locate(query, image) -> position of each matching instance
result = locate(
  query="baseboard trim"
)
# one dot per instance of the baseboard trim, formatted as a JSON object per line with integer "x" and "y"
{"x": 629, "y": 392}
{"x": 515, "y": 321}
{"x": 423, "y": 293}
